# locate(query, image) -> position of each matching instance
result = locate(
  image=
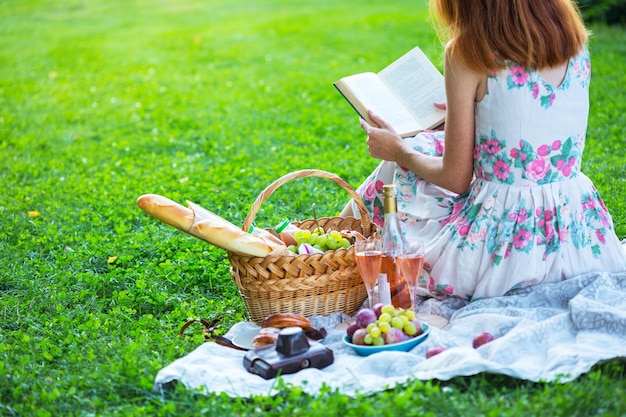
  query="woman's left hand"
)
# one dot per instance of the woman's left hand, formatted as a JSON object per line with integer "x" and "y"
{"x": 382, "y": 140}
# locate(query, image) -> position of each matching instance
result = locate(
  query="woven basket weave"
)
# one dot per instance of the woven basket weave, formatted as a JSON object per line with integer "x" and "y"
{"x": 318, "y": 284}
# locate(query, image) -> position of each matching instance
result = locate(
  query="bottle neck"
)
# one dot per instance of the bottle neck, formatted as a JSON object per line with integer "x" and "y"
{"x": 390, "y": 206}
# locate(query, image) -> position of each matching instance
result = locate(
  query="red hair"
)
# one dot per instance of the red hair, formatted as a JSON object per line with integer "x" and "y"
{"x": 532, "y": 33}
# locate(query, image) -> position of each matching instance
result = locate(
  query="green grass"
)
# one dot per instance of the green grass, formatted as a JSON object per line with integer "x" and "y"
{"x": 210, "y": 101}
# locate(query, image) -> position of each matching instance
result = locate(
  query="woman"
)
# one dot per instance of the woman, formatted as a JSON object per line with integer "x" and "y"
{"x": 505, "y": 205}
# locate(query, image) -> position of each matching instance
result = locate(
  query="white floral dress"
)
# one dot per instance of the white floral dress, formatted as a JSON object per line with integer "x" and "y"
{"x": 531, "y": 216}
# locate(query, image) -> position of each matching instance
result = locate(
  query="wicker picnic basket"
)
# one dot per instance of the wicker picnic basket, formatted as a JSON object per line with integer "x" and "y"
{"x": 309, "y": 285}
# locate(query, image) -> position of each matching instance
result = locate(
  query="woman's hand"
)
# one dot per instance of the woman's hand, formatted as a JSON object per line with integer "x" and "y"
{"x": 382, "y": 140}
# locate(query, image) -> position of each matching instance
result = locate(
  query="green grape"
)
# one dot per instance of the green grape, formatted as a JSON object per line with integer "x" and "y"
{"x": 375, "y": 332}
{"x": 370, "y": 327}
{"x": 332, "y": 244}
{"x": 397, "y": 322}
{"x": 384, "y": 326}
{"x": 378, "y": 341}
{"x": 389, "y": 309}
{"x": 336, "y": 235}
{"x": 384, "y": 318}
{"x": 410, "y": 328}
{"x": 368, "y": 340}
{"x": 318, "y": 247}
{"x": 322, "y": 240}
{"x": 292, "y": 248}
{"x": 302, "y": 236}
{"x": 344, "y": 243}
{"x": 410, "y": 314}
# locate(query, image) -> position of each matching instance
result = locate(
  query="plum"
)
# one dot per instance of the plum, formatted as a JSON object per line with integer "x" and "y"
{"x": 378, "y": 309}
{"x": 435, "y": 350}
{"x": 394, "y": 335}
{"x": 365, "y": 317}
{"x": 358, "y": 338}
{"x": 351, "y": 329}
{"x": 482, "y": 338}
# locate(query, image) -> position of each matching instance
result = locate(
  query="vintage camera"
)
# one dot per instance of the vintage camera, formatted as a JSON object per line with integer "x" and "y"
{"x": 291, "y": 353}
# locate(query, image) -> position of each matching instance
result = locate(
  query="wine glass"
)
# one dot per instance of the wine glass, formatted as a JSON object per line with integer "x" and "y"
{"x": 368, "y": 260}
{"x": 411, "y": 262}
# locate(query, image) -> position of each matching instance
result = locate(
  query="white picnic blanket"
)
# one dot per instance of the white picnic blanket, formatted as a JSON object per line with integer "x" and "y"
{"x": 552, "y": 332}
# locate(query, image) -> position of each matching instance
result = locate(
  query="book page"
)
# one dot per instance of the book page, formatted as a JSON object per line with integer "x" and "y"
{"x": 367, "y": 91}
{"x": 418, "y": 84}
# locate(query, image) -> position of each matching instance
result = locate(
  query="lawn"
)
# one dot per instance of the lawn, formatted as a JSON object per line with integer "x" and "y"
{"x": 208, "y": 101}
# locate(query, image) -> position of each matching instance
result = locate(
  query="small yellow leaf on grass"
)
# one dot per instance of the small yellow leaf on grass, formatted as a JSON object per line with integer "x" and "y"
{"x": 32, "y": 214}
{"x": 112, "y": 259}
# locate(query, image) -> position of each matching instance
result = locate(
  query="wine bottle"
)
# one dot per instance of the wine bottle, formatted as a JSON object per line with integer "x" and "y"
{"x": 393, "y": 244}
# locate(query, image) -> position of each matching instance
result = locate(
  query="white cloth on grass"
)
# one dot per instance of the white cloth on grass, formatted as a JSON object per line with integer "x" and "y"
{"x": 550, "y": 332}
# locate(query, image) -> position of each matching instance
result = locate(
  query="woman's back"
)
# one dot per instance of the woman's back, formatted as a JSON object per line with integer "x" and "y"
{"x": 529, "y": 131}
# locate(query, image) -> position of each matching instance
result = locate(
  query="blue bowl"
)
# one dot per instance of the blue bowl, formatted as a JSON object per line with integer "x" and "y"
{"x": 366, "y": 350}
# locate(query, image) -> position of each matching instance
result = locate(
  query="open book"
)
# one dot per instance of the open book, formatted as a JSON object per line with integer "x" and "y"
{"x": 402, "y": 94}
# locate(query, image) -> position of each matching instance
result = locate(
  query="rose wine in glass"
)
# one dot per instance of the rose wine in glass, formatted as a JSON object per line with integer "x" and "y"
{"x": 368, "y": 260}
{"x": 411, "y": 263}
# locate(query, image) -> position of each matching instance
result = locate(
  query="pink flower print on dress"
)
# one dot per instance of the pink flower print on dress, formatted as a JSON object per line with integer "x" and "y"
{"x": 480, "y": 173}
{"x": 537, "y": 169}
{"x": 522, "y": 238}
{"x": 477, "y": 152}
{"x": 563, "y": 234}
{"x": 535, "y": 90}
{"x": 501, "y": 170}
{"x": 491, "y": 146}
{"x": 519, "y": 217}
{"x": 463, "y": 229}
{"x": 518, "y": 75}
{"x": 543, "y": 150}
{"x": 372, "y": 189}
{"x": 439, "y": 146}
{"x": 545, "y": 223}
{"x": 566, "y": 168}
{"x": 378, "y": 219}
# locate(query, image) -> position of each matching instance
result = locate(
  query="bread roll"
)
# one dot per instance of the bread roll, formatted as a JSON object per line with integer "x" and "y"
{"x": 266, "y": 336}
{"x": 282, "y": 320}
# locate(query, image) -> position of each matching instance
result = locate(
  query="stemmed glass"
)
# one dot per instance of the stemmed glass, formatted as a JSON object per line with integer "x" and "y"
{"x": 411, "y": 263}
{"x": 368, "y": 260}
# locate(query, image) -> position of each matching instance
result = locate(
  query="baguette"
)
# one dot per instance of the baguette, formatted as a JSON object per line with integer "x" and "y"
{"x": 220, "y": 232}
{"x": 167, "y": 211}
{"x": 208, "y": 226}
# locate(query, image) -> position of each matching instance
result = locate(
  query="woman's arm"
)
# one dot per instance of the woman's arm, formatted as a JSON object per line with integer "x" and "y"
{"x": 454, "y": 169}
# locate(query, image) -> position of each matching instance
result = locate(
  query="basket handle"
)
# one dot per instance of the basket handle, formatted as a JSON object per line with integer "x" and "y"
{"x": 366, "y": 223}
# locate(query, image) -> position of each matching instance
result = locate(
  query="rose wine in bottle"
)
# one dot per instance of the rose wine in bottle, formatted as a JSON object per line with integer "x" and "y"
{"x": 393, "y": 244}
